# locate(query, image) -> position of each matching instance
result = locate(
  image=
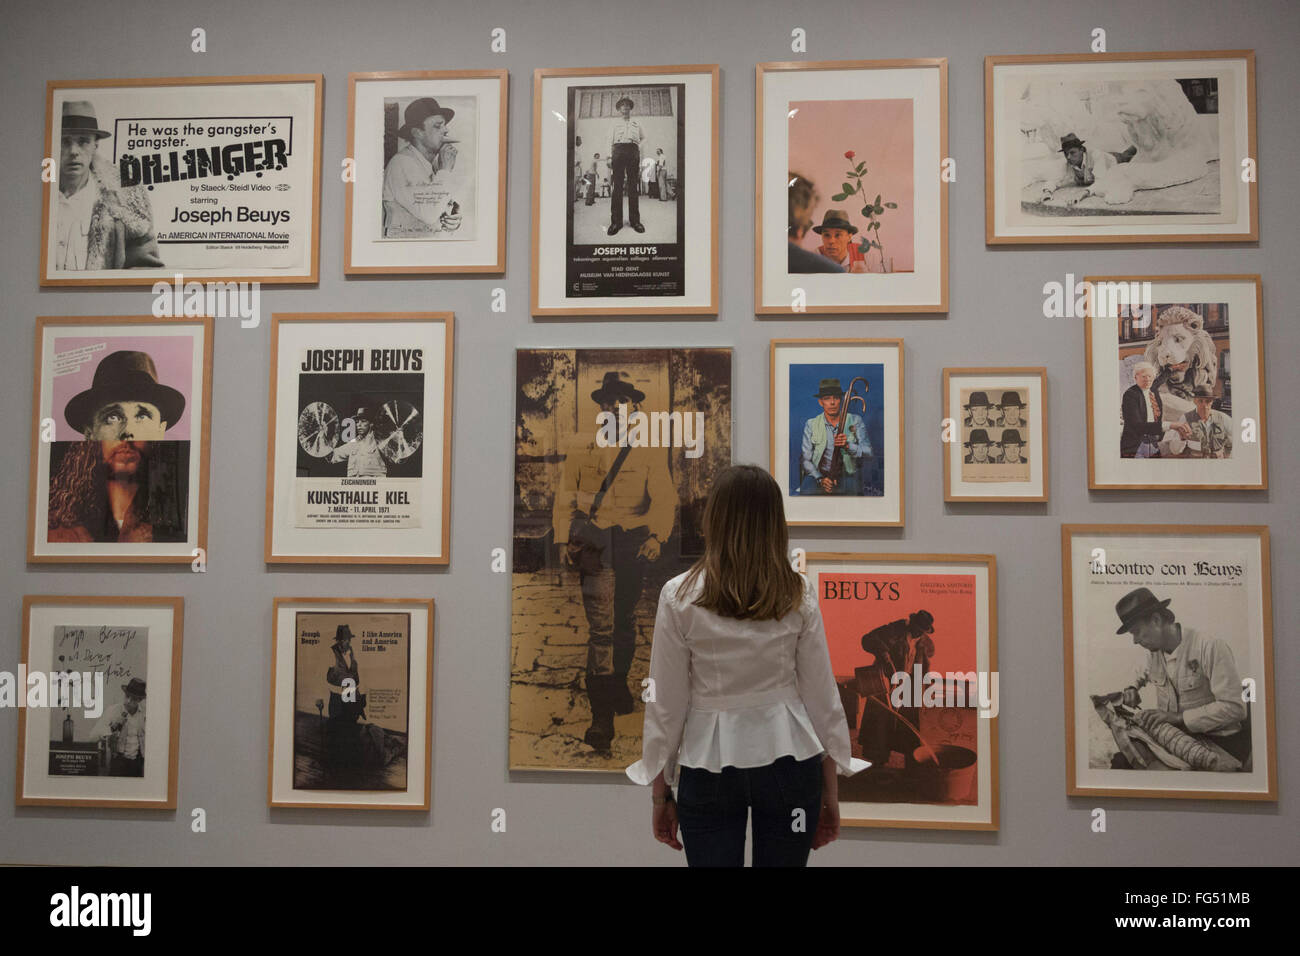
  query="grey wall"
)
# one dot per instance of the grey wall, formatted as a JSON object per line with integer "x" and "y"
{"x": 995, "y": 318}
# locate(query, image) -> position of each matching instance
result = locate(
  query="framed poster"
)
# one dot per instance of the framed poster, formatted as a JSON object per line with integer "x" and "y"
{"x": 101, "y": 725}
{"x": 913, "y": 644}
{"x": 430, "y": 189}
{"x": 351, "y": 703}
{"x": 998, "y": 446}
{"x": 359, "y": 456}
{"x": 853, "y": 150}
{"x": 119, "y": 467}
{"x": 836, "y": 437}
{"x": 1120, "y": 148}
{"x": 1175, "y": 382}
{"x": 204, "y": 177}
{"x": 1168, "y": 661}
{"x": 653, "y": 428}
{"x": 625, "y": 190}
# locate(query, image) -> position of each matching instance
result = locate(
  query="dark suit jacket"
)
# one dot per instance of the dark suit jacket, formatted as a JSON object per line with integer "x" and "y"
{"x": 1135, "y": 424}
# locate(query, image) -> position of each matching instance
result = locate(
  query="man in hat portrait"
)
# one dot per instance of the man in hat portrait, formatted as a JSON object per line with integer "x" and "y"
{"x": 99, "y": 224}
{"x": 625, "y": 138}
{"x": 1208, "y": 427}
{"x": 346, "y": 707}
{"x": 1012, "y": 410}
{"x": 977, "y": 411}
{"x": 979, "y": 446}
{"x": 613, "y": 514}
{"x": 1198, "y": 688}
{"x": 1079, "y": 167}
{"x": 833, "y": 445}
{"x": 124, "y": 728}
{"x": 1013, "y": 447}
{"x": 418, "y": 200}
{"x": 121, "y": 483}
{"x": 362, "y": 453}
{"x": 899, "y": 647}
{"x": 837, "y": 234}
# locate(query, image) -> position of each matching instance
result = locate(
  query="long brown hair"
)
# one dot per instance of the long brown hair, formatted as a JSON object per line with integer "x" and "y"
{"x": 745, "y": 569}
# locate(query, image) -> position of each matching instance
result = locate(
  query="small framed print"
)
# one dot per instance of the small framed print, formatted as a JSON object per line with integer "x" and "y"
{"x": 1120, "y": 148}
{"x": 1168, "y": 661}
{"x": 913, "y": 646}
{"x": 852, "y": 151}
{"x": 359, "y": 463}
{"x": 837, "y": 430}
{"x": 199, "y": 177}
{"x": 625, "y": 191}
{"x": 119, "y": 469}
{"x": 430, "y": 188}
{"x": 351, "y": 703}
{"x": 1175, "y": 383}
{"x": 998, "y": 446}
{"x": 101, "y": 725}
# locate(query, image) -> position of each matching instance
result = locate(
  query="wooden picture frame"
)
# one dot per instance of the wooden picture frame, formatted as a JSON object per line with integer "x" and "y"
{"x": 1027, "y": 385}
{"x": 297, "y": 537}
{"x": 1089, "y": 554}
{"x": 880, "y": 498}
{"x": 477, "y": 245}
{"x": 1126, "y": 318}
{"x": 679, "y": 239}
{"x": 413, "y": 745}
{"x": 920, "y": 283}
{"x": 171, "y": 527}
{"x": 267, "y": 209}
{"x": 954, "y": 794}
{"x": 1179, "y": 141}
{"x": 112, "y": 787}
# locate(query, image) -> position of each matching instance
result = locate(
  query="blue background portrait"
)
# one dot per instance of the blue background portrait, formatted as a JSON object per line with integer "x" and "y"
{"x": 804, "y": 383}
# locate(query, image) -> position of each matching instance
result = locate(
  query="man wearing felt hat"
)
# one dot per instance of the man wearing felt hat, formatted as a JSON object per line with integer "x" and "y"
{"x": 837, "y": 234}
{"x": 1079, "y": 164}
{"x": 614, "y": 512}
{"x": 977, "y": 410}
{"x": 124, "y": 729}
{"x": 112, "y": 486}
{"x": 1012, "y": 410}
{"x": 99, "y": 224}
{"x": 1209, "y": 433}
{"x": 903, "y": 646}
{"x": 419, "y": 201}
{"x": 362, "y": 453}
{"x": 625, "y": 138}
{"x": 1198, "y": 689}
{"x": 979, "y": 445}
{"x": 1013, "y": 447}
{"x": 833, "y": 445}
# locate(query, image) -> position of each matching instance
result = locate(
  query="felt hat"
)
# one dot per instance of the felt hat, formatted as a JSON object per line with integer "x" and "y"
{"x": 835, "y": 219}
{"x": 622, "y": 100}
{"x": 978, "y": 436}
{"x": 343, "y": 631}
{"x": 1137, "y": 605}
{"x": 79, "y": 117}
{"x": 977, "y": 398}
{"x": 417, "y": 111}
{"x": 134, "y": 687}
{"x": 922, "y": 620}
{"x": 124, "y": 377}
{"x": 829, "y": 387}
{"x": 1011, "y": 398}
{"x": 1011, "y": 436}
{"x": 617, "y": 387}
{"x": 1070, "y": 141}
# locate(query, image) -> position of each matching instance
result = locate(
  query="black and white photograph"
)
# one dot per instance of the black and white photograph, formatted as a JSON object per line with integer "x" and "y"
{"x": 1121, "y": 146}
{"x": 1168, "y": 651}
{"x": 625, "y": 190}
{"x": 112, "y": 744}
{"x": 627, "y": 220}
{"x": 430, "y": 168}
{"x": 360, "y": 421}
{"x": 205, "y": 177}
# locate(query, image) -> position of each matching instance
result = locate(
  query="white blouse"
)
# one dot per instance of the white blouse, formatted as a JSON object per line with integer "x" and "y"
{"x": 730, "y": 693}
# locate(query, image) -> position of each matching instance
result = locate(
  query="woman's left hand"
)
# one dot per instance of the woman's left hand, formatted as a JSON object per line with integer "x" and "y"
{"x": 663, "y": 823}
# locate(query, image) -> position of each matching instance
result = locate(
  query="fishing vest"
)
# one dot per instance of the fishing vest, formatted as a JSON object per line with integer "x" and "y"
{"x": 820, "y": 439}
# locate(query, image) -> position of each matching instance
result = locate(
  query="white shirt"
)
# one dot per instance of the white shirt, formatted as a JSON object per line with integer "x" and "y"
{"x": 731, "y": 693}
{"x": 74, "y": 225}
{"x": 364, "y": 459}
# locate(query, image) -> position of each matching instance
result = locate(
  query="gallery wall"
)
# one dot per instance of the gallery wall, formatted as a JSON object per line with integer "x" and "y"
{"x": 996, "y": 318}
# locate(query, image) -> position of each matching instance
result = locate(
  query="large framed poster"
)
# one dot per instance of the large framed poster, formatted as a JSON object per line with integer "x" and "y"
{"x": 101, "y": 725}
{"x": 351, "y": 703}
{"x": 119, "y": 466}
{"x": 913, "y": 645}
{"x": 1168, "y": 661}
{"x": 615, "y": 452}
{"x": 1120, "y": 148}
{"x": 625, "y": 190}
{"x": 853, "y": 150}
{"x": 359, "y": 453}
{"x": 836, "y": 437}
{"x": 429, "y": 193}
{"x": 204, "y": 177}
{"x": 1175, "y": 382}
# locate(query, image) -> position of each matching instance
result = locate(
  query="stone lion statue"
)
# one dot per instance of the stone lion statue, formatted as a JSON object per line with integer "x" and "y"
{"x": 1185, "y": 356}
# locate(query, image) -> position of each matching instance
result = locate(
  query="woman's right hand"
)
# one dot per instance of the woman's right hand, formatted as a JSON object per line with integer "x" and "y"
{"x": 828, "y": 822}
{"x": 663, "y": 823}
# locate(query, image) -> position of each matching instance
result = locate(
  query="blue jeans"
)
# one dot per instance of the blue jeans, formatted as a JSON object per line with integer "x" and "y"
{"x": 712, "y": 810}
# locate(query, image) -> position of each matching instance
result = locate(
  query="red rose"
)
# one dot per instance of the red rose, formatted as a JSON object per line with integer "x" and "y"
{"x": 849, "y": 155}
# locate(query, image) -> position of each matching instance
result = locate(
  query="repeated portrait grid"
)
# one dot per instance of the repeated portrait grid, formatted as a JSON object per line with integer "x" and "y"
{"x": 616, "y": 448}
